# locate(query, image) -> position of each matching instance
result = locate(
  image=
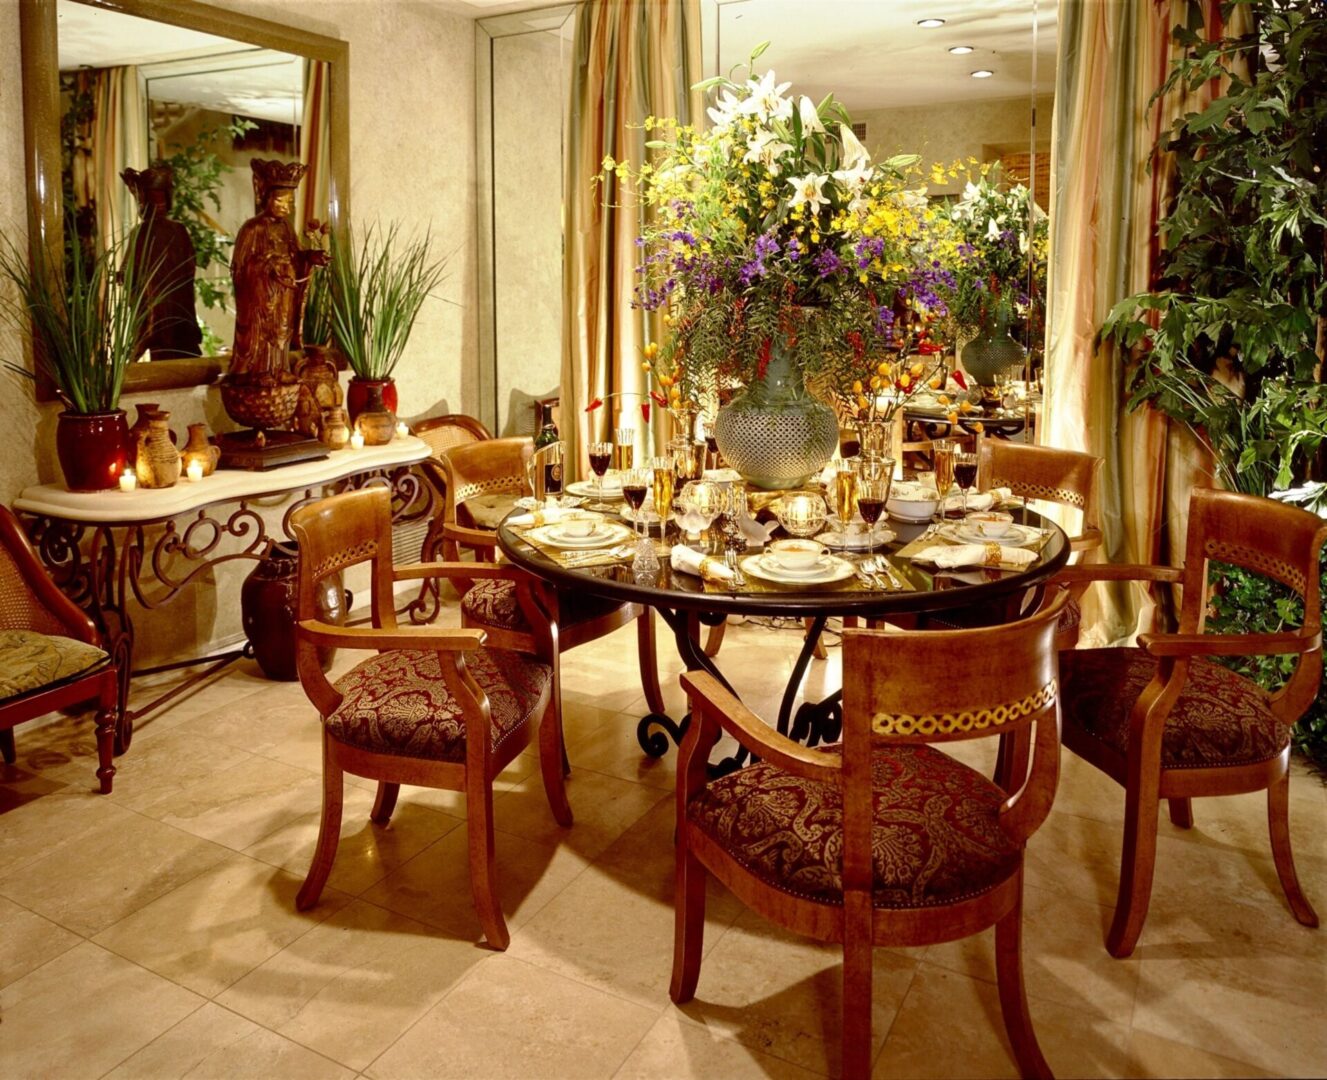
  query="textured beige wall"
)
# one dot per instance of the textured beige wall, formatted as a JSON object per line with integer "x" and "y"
{"x": 945, "y": 133}
{"x": 412, "y": 160}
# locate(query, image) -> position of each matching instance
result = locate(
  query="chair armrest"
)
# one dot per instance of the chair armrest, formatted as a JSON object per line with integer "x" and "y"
{"x": 1279, "y": 644}
{"x": 1087, "y": 540}
{"x": 463, "y": 534}
{"x": 1089, "y": 572}
{"x": 471, "y": 570}
{"x": 375, "y": 639}
{"x": 708, "y": 694}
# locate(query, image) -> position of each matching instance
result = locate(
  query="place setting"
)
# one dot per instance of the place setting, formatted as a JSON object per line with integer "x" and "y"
{"x": 573, "y": 537}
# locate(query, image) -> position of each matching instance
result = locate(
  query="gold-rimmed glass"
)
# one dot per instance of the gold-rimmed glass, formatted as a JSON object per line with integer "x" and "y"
{"x": 943, "y": 452}
{"x": 662, "y": 471}
{"x": 844, "y": 490}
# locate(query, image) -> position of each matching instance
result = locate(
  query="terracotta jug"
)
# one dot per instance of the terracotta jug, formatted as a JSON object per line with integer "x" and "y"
{"x": 146, "y": 411}
{"x": 375, "y": 421}
{"x": 267, "y": 608}
{"x": 199, "y": 449}
{"x": 335, "y": 428}
{"x": 157, "y": 461}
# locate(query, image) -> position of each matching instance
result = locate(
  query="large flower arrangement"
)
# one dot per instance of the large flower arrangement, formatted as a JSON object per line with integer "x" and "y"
{"x": 773, "y": 230}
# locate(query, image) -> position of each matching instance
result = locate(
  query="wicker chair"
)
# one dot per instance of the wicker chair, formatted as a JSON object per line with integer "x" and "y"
{"x": 442, "y": 433}
{"x": 51, "y": 656}
{"x": 881, "y": 840}
{"x": 1165, "y": 722}
{"x": 437, "y": 708}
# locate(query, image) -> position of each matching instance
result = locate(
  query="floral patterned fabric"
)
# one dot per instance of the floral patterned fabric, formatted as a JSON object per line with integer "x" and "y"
{"x": 1219, "y": 719}
{"x": 1071, "y": 615}
{"x": 936, "y": 839}
{"x": 397, "y": 703}
{"x": 493, "y": 603}
{"x": 30, "y": 661}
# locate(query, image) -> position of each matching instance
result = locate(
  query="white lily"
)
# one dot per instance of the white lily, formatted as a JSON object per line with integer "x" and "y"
{"x": 1022, "y": 243}
{"x": 765, "y": 148}
{"x": 809, "y": 189}
{"x": 806, "y": 109}
{"x": 854, "y": 153}
{"x": 765, "y": 99}
{"x": 725, "y": 112}
{"x": 992, "y": 229}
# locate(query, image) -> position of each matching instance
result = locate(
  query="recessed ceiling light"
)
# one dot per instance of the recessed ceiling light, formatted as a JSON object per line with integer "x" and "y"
{"x": 962, "y": 50}
{"x": 930, "y": 24}
{"x": 982, "y": 73}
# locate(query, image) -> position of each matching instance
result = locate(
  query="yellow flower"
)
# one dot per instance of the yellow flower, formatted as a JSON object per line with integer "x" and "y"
{"x": 651, "y": 350}
{"x": 943, "y": 399}
{"x": 978, "y": 427}
{"x": 905, "y": 380}
{"x": 856, "y": 386}
{"x": 935, "y": 384}
{"x": 645, "y": 366}
{"x": 862, "y": 403}
{"x": 883, "y": 368}
{"x": 952, "y": 417}
{"x": 917, "y": 369}
{"x": 674, "y": 395}
{"x": 965, "y": 407}
{"x": 665, "y": 380}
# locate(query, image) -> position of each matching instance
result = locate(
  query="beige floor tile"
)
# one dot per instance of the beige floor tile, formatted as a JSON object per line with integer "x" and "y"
{"x": 83, "y": 1013}
{"x": 350, "y": 986}
{"x": 223, "y": 924}
{"x": 508, "y": 1019}
{"x": 42, "y": 816}
{"x": 59, "y": 745}
{"x": 434, "y": 886}
{"x": 27, "y": 941}
{"x": 216, "y": 1044}
{"x": 613, "y": 749}
{"x": 524, "y": 765}
{"x": 21, "y": 786}
{"x": 782, "y": 994}
{"x": 1153, "y": 1056}
{"x": 675, "y": 1047}
{"x": 1064, "y": 958}
{"x": 266, "y": 722}
{"x": 367, "y": 852}
{"x": 950, "y": 1026}
{"x": 240, "y": 805}
{"x": 109, "y": 871}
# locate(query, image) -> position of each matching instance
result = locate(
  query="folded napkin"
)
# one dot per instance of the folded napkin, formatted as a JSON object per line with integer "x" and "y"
{"x": 547, "y": 516}
{"x": 690, "y": 561}
{"x": 979, "y": 500}
{"x": 950, "y": 556}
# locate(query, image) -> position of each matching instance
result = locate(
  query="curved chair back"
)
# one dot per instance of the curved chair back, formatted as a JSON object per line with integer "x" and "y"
{"x": 341, "y": 531}
{"x": 489, "y": 467}
{"x": 1047, "y": 473}
{"x": 29, "y": 599}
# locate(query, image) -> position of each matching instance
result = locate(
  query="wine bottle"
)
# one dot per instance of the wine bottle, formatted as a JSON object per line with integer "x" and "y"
{"x": 546, "y": 437}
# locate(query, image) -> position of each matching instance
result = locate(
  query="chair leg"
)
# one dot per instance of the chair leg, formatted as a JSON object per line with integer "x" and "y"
{"x": 552, "y": 762}
{"x": 1137, "y": 863}
{"x": 483, "y": 861}
{"x": 1013, "y": 997}
{"x": 714, "y": 639}
{"x": 7, "y": 748}
{"x": 688, "y": 924}
{"x": 1181, "y": 813}
{"x": 384, "y": 803}
{"x": 649, "y": 661}
{"x": 1278, "y": 821}
{"x": 857, "y": 950}
{"x": 108, "y": 707}
{"x": 329, "y": 832}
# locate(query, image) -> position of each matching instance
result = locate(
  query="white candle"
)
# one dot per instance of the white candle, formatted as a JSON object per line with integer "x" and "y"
{"x": 402, "y": 429}
{"x": 128, "y": 480}
{"x": 357, "y": 441}
{"x": 194, "y": 471}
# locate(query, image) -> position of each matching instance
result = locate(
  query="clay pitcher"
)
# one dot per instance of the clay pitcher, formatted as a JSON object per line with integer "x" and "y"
{"x": 375, "y": 421}
{"x": 157, "y": 462}
{"x": 267, "y": 608}
{"x": 199, "y": 449}
{"x": 146, "y": 410}
{"x": 335, "y": 428}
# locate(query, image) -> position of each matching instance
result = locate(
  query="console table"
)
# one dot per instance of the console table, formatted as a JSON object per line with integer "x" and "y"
{"x": 96, "y": 546}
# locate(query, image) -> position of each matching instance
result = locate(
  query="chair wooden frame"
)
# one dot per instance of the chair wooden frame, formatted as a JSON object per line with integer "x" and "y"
{"x": 353, "y": 528}
{"x": 1284, "y": 543}
{"x": 887, "y": 675}
{"x": 49, "y": 611}
{"x": 442, "y": 433}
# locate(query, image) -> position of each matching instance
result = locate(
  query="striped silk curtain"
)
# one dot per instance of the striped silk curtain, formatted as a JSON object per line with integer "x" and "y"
{"x": 119, "y": 142}
{"x": 631, "y": 59}
{"x": 313, "y": 196}
{"x": 1105, "y": 204}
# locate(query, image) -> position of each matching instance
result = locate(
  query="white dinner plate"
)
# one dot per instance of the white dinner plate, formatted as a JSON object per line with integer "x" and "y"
{"x": 909, "y": 519}
{"x": 834, "y": 569}
{"x": 605, "y": 535}
{"x": 1017, "y": 536}
{"x": 856, "y": 539}
{"x": 586, "y": 488}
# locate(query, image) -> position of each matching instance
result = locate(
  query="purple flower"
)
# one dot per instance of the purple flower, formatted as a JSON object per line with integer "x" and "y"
{"x": 866, "y": 249}
{"x": 827, "y": 263}
{"x": 793, "y": 249}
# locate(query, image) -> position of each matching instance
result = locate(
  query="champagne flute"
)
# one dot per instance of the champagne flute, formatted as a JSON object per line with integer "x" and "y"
{"x": 601, "y": 453}
{"x": 624, "y": 448}
{"x": 845, "y": 492}
{"x": 965, "y": 475}
{"x": 943, "y": 452}
{"x": 663, "y": 490}
{"x": 635, "y": 482}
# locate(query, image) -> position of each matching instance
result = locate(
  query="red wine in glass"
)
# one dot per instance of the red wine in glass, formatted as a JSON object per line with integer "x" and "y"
{"x": 870, "y": 509}
{"x": 849, "y": 448}
{"x": 965, "y": 475}
{"x": 599, "y": 462}
{"x": 634, "y": 494}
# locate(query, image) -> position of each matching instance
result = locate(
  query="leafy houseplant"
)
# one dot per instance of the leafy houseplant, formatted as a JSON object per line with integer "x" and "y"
{"x": 1233, "y": 342}
{"x": 85, "y": 314}
{"x": 376, "y": 285}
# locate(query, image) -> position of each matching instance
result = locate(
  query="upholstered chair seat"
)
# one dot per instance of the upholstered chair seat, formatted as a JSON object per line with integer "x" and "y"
{"x": 493, "y": 603}
{"x": 1220, "y": 717}
{"x": 935, "y": 838}
{"x": 398, "y": 702}
{"x": 487, "y": 511}
{"x": 32, "y": 661}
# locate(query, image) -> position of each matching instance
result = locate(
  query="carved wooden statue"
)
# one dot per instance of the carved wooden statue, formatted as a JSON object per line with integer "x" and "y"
{"x": 164, "y": 258}
{"x": 268, "y": 266}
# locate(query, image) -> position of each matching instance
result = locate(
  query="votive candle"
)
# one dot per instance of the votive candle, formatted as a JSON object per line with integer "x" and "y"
{"x": 194, "y": 471}
{"x": 357, "y": 440}
{"x": 128, "y": 480}
{"x": 402, "y": 429}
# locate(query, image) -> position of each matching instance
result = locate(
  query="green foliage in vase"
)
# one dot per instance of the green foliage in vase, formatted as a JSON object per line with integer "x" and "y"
{"x": 376, "y": 284}
{"x": 1234, "y": 337}
{"x": 85, "y": 314}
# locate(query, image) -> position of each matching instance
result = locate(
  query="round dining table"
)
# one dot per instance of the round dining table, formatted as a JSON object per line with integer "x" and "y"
{"x": 970, "y": 597}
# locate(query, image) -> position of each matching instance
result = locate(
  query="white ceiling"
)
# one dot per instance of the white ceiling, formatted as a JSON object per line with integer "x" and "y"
{"x": 182, "y": 66}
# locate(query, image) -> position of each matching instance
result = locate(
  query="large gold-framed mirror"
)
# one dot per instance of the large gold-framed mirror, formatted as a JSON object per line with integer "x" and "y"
{"x": 265, "y": 45}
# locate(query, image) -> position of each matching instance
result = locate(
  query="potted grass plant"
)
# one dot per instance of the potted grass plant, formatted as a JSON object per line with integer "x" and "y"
{"x": 85, "y": 315}
{"x": 377, "y": 282}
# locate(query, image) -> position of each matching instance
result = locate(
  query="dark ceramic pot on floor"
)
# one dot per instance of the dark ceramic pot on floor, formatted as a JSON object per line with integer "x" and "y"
{"x": 91, "y": 449}
{"x": 267, "y": 609}
{"x": 360, "y": 392}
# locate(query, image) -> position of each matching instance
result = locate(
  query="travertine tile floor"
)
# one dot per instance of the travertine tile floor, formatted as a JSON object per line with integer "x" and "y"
{"x": 153, "y": 932}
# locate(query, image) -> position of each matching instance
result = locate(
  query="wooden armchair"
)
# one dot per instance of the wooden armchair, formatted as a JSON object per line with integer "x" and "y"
{"x": 442, "y": 433}
{"x": 1050, "y": 475}
{"x": 1166, "y": 722}
{"x": 477, "y": 472}
{"x": 432, "y": 707}
{"x": 882, "y": 840}
{"x": 50, "y": 652}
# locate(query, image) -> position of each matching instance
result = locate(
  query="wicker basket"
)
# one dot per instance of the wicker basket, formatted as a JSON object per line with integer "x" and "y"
{"x": 259, "y": 405}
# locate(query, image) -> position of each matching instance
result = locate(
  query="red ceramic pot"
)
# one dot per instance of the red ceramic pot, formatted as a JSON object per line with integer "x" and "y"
{"x": 91, "y": 449}
{"x": 357, "y": 396}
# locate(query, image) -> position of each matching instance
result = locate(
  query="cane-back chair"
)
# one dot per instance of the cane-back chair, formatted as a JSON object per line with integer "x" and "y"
{"x": 51, "y": 655}
{"x": 478, "y": 471}
{"x": 442, "y": 433}
{"x": 432, "y": 707}
{"x": 1166, "y": 722}
{"x": 882, "y": 840}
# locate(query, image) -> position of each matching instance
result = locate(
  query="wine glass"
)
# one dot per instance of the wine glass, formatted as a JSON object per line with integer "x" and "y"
{"x": 635, "y": 483}
{"x": 624, "y": 448}
{"x": 845, "y": 492}
{"x": 965, "y": 475}
{"x": 943, "y": 451}
{"x": 601, "y": 453}
{"x": 872, "y": 495}
{"x": 662, "y": 468}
